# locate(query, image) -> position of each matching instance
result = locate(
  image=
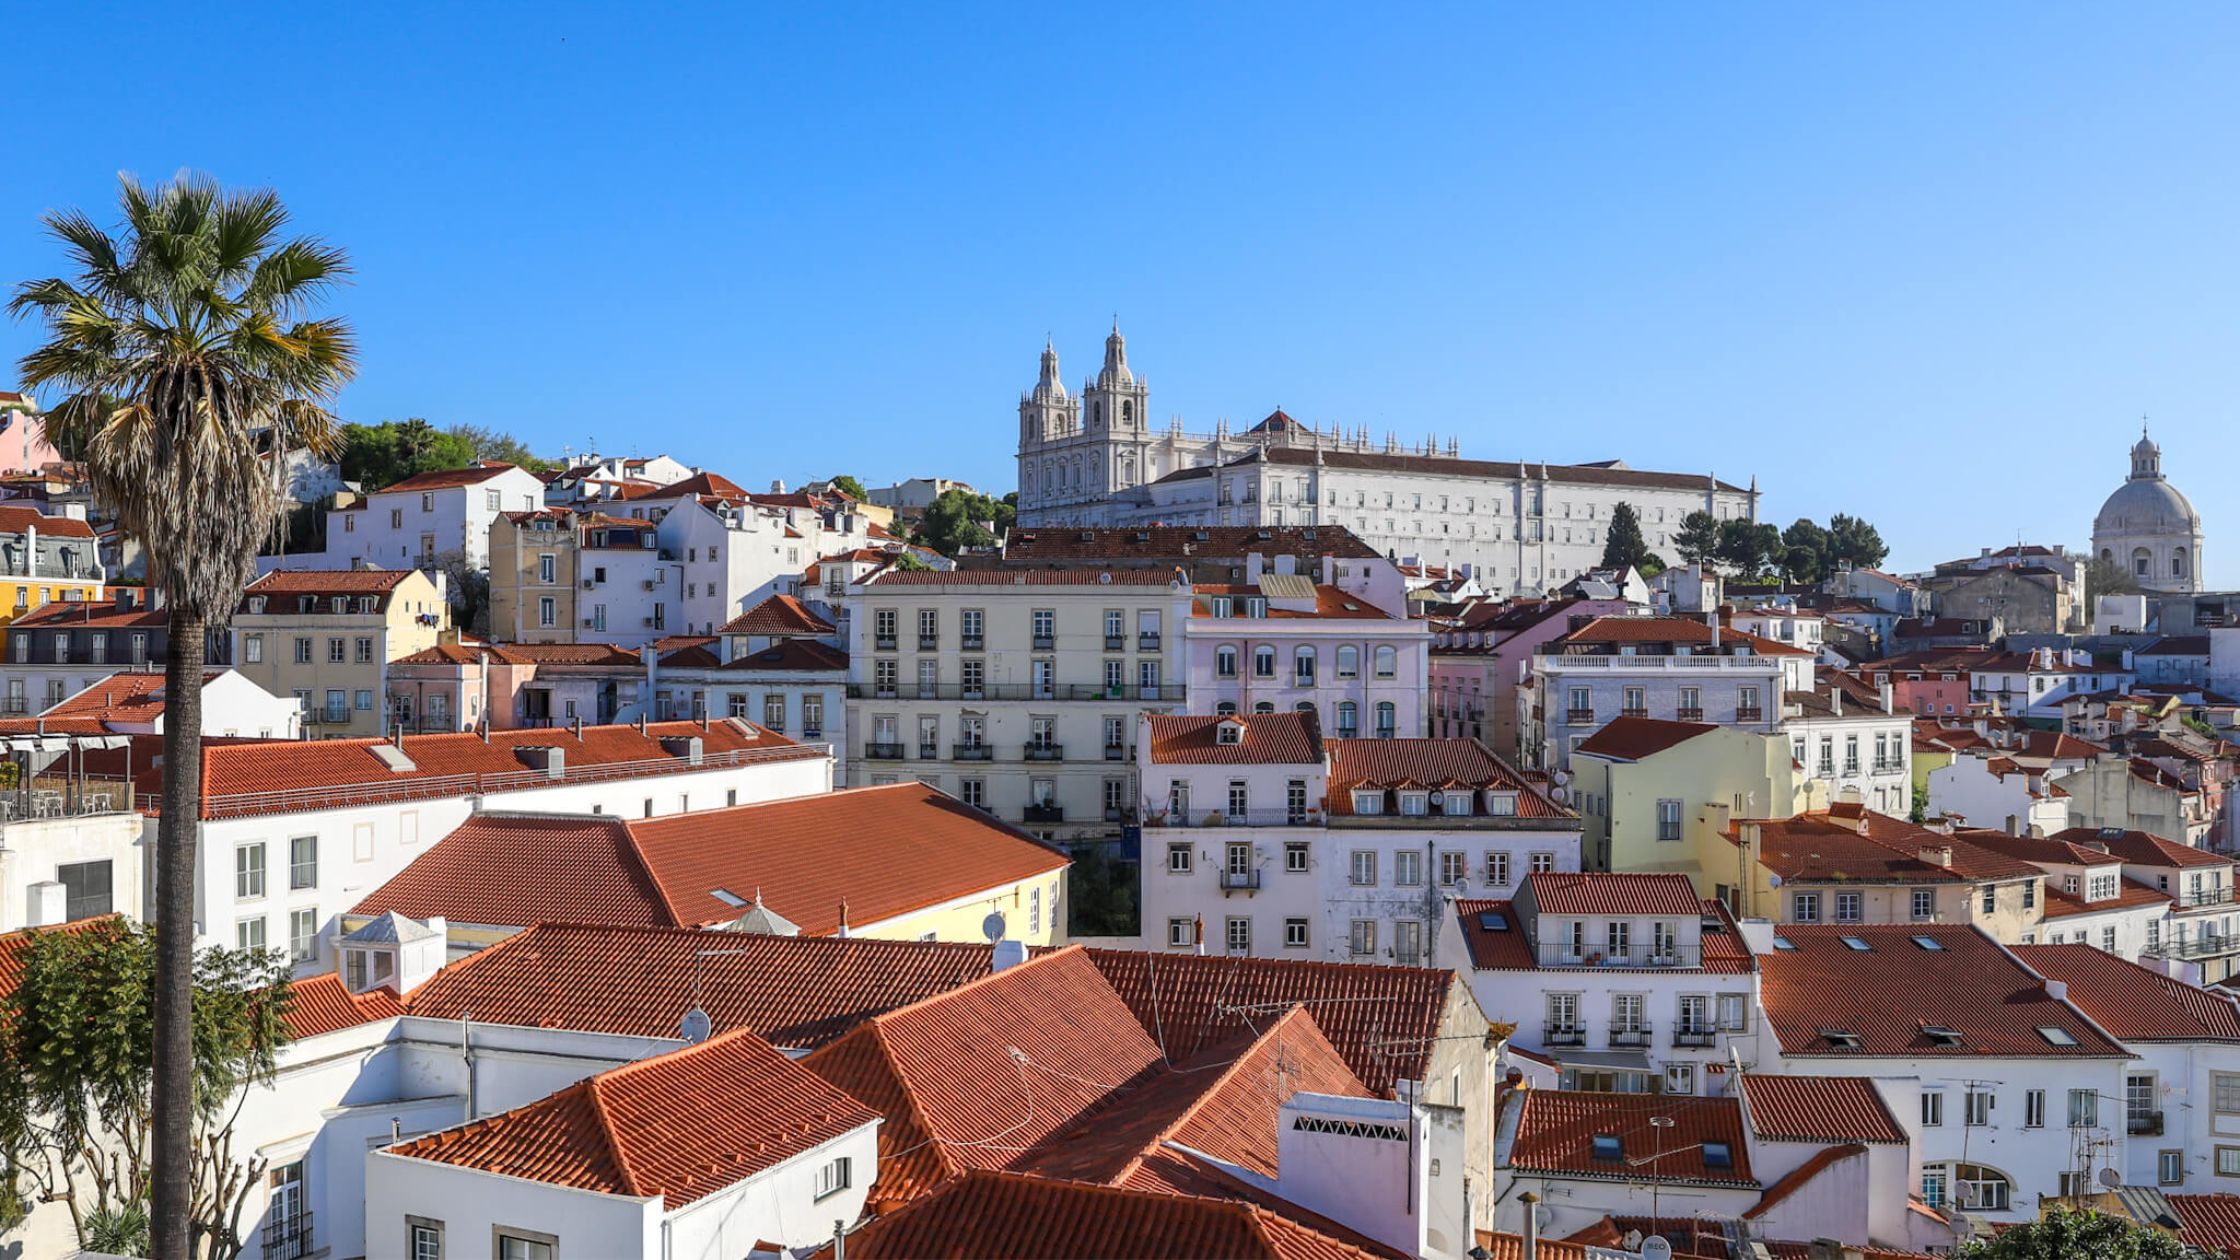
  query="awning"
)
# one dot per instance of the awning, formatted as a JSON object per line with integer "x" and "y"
{"x": 1608, "y": 1060}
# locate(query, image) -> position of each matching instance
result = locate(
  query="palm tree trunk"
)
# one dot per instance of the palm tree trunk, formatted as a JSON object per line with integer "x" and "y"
{"x": 176, "y": 832}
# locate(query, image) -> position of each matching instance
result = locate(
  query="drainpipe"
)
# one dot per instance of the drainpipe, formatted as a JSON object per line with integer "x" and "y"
{"x": 466, "y": 1051}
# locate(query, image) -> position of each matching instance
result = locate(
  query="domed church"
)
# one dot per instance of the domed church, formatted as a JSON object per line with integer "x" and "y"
{"x": 2148, "y": 527}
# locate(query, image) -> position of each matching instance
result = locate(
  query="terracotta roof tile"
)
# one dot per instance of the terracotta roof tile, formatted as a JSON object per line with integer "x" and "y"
{"x": 1819, "y": 1109}
{"x": 781, "y": 615}
{"x": 2208, "y": 1221}
{"x": 1613, "y": 893}
{"x": 15, "y": 520}
{"x": 320, "y": 1004}
{"x": 1002, "y": 1216}
{"x": 682, "y": 1126}
{"x": 2141, "y": 848}
{"x": 2130, "y": 895}
{"x": 1556, "y": 1130}
{"x": 1330, "y": 604}
{"x": 794, "y": 991}
{"x": 798, "y": 656}
{"x": 1669, "y": 630}
{"x": 16, "y": 946}
{"x": 1819, "y": 848}
{"x": 1357, "y": 764}
{"x": 2131, "y": 1002}
{"x": 1263, "y": 739}
{"x": 104, "y": 613}
{"x": 1803, "y": 1175}
{"x": 1494, "y": 948}
{"x": 880, "y": 852}
{"x": 1633, "y": 738}
{"x": 1886, "y": 996}
{"x": 446, "y": 479}
{"x": 328, "y": 582}
{"x": 1025, "y": 577}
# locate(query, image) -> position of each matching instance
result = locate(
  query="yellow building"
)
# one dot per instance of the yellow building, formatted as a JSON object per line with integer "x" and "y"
{"x": 533, "y": 576}
{"x": 44, "y": 559}
{"x": 1848, "y": 865}
{"x": 326, "y": 637}
{"x": 1653, "y": 794}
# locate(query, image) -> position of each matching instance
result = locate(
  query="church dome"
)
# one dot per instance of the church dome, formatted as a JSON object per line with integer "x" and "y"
{"x": 2145, "y": 506}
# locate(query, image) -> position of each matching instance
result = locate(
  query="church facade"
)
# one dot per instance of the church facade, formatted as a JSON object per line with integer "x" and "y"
{"x": 1094, "y": 460}
{"x": 2149, "y": 528}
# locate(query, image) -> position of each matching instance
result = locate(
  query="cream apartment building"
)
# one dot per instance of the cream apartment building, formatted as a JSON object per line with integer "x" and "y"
{"x": 326, "y": 637}
{"x": 1014, "y": 690}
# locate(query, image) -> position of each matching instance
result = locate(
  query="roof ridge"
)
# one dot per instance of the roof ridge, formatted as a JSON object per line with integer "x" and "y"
{"x": 1215, "y": 1086}
{"x": 1802, "y": 1175}
{"x": 609, "y": 1135}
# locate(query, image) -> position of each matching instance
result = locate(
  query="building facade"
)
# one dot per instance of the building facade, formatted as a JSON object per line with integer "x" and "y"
{"x": 2147, "y": 529}
{"x": 327, "y": 637}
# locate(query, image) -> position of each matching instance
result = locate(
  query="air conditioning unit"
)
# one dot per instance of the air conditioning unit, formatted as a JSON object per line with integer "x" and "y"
{"x": 587, "y": 623}
{"x": 649, "y": 621}
{"x": 650, "y": 584}
{"x": 588, "y": 584}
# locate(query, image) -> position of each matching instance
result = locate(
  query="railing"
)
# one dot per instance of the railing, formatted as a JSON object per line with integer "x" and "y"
{"x": 929, "y": 642}
{"x": 1237, "y": 818}
{"x": 1115, "y": 752}
{"x": 972, "y": 752}
{"x": 1147, "y": 642}
{"x": 873, "y": 751}
{"x": 1630, "y": 1038}
{"x": 2144, "y": 1124}
{"x": 1115, "y": 642}
{"x": 2217, "y": 896}
{"x": 1045, "y": 642}
{"x": 1754, "y": 664}
{"x": 1633, "y": 710}
{"x": 929, "y": 752}
{"x": 1044, "y": 752}
{"x": 1046, "y": 813}
{"x": 288, "y": 1237}
{"x": 1686, "y": 1038}
{"x": 2209, "y": 947}
{"x": 1564, "y": 1037}
{"x": 15, "y": 704}
{"x": 883, "y": 642}
{"x": 1172, "y": 694}
{"x": 239, "y": 804}
{"x": 970, "y": 642}
{"x": 1752, "y": 714}
{"x": 1639, "y": 957}
{"x": 1240, "y": 881}
{"x": 1579, "y": 717}
{"x": 1691, "y": 715}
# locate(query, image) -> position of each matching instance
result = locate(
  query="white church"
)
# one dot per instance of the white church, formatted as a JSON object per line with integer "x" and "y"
{"x": 2149, "y": 528}
{"x": 1094, "y": 460}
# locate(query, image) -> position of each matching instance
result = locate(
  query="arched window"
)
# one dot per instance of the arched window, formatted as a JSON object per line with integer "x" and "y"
{"x": 1225, "y": 708}
{"x": 1349, "y": 719}
{"x": 1225, "y": 662}
{"x": 1304, "y": 706}
{"x": 1388, "y": 719}
{"x": 1263, "y": 662}
{"x": 1349, "y": 661}
{"x": 1302, "y": 667}
{"x": 1264, "y": 706}
{"x": 1127, "y": 412}
{"x": 2142, "y": 563}
{"x": 1976, "y": 1187}
{"x": 2107, "y": 555}
{"x": 2178, "y": 563}
{"x": 1387, "y": 661}
{"x": 1096, "y": 414}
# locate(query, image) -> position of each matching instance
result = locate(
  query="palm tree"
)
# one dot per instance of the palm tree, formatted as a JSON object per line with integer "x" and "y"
{"x": 181, "y": 347}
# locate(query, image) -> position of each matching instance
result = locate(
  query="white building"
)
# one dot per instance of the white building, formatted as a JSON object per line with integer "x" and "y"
{"x": 1982, "y": 788}
{"x": 1096, "y": 459}
{"x": 2148, "y": 529}
{"x": 1287, "y": 643}
{"x": 1852, "y": 738}
{"x": 1672, "y": 668}
{"x": 2037, "y": 683}
{"x": 422, "y": 518}
{"x": 1263, "y": 838}
{"x": 779, "y": 664}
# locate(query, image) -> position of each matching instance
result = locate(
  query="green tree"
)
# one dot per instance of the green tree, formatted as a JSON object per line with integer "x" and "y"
{"x": 1747, "y": 549}
{"x": 849, "y": 486}
{"x": 179, "y": 344}
{"x": 1854, "y": 542}
{"x": 958, "y": 519}
{"x": 81, "y": 1070}
{"x": 384, "y": 454}
{"x": 1805, "y": 552}
{"x": 1624, "y": 547}
{"x": 2104, "y": 576}
{"x": 2067, "y": 1235}
{"x": 909, "y": 562}
{"x": 504, "y": 448}
{"x": 1697, "y": 539}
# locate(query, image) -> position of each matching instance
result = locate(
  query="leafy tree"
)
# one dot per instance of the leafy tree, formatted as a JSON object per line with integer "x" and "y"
{"x": 2068, "y": 1235}
{"x": 183, "y": 342}
{"x": 849, "y": 486}
{"x": 958, "y": 519}
{"x": 81, "y": 1071}
{"x": 1854, "y": 542}
{"x": 504, "y": 448}
{"x": 2106, "y": 576}
{"x": 1748, "y": 548}
{"x": 1697, "y": 540}
{"x": 467, "y": 587}
{"x": 1624, "y": 546}
{"x": 1805, "y": 552}
{"x": 1100, "y": 893}
{"x": 384, "y": 454}
{"x": 909, "y": 562}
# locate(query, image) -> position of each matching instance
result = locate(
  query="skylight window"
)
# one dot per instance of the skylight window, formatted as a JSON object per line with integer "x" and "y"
{"x": 1930, "y": 943}
{"x": 1608, "y": 1148}
{"x": 1718, "y": 1155}
{"x": 728, "y": 897}
{"x": 1840, "y": 1039}
{"x": 1853, "y": 942}
{"x": 2057, "y": 1036}
{"x": 1493, "y": 921}
{"x": 1783, "y": 942}
{"x": 1943, "y": 1036}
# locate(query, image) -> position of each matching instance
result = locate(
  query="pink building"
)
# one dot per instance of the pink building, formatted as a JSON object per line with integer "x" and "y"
{"x": 1477, "y": 664}
{"x": 23, "y": 438}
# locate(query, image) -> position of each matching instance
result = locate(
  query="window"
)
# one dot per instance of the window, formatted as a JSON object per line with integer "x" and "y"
{"x": 1387, "y": 719}
{"x": 1225, "y": 662}
{"x": 1453, "y": 866}
{"x": 1407, "y": 868}
{"x": 249, "y": 933}
{"x": 1850, "y": 907}
{"x": 1361, "y": 937}
{"x": 1263, "y": 662}
{"x": 1349, "y": 717}
{"x": 1990, "y": 898}
{"x": 303, "y": 935}
{"x": 1349, "y": 662}
{"x": 303, "y": 650}
{"x": 2170, "y": 1167}
{"x": 2224, "y": 1092}
{"x": 86, "y": 888}
{"x": 521, "y": 1244}
{"x": 1497, "y": 869}
{"x": 1178, "y": 859}
{"x": 2228, "y": 1161}
{"x": 547, "y": 611}
{"x": 1294, "y": 933}
{"x": 1302, "y": 667}
{"x": 1924, "y": 903}
{"x": 1979, "y": 1187}
{"x": 1295, "y": 857}
{"x": 1734, "y": 1012}
{"x": 1541, "y": 863}
{"x": 1181, "y": 933}
{"x": 303, "y": 862}
{"x": 1236, "y": 934}
{"x": 1932, "y": 1108}
{"x": 2084, "y": 1109}
{"x": 1806, "y": 908}
{"x": 2034, "y": 1109}
{"x": 426, "y": 1238}
{"x": 1362, "y": 868}
{"x": 1045, "y": 627}
{"x": 248, "y": 871}
{"x": 1386, "y": 661}
{"x": 1978, "y": 1108}
{"x": 1668, "y": 819}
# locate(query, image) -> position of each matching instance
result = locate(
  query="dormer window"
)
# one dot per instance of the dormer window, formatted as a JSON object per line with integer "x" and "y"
{"x": 307, "y": 603}
{"x": 1941, "y": 1036}
{"x": 1840, "y": 1039}
{"x": 1415, "y": 804}
{"x": 256, "y": 603}
{"x": 339, "y": 604}
{"x": 1222, "y": 605}
{"x": 1230, "y": 733}
{"x": 1256, "y": 606}
{"x": 1456, "y": 803}
{"x": 1501, "y": 804}
{"x": 1368, "y": 801}
{"x": 365, "y": 968}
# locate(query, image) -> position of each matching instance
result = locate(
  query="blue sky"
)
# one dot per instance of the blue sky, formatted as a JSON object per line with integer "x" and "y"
{"x": 1927, "y": 264}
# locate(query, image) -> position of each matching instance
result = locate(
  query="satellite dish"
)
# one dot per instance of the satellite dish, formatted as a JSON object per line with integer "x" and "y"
{"x": 1655, "y": 1247}
{"x": 695, "y": 1026}
{"x": 1773, "y": 881}
{"x": 2110, "y": 1178}
{"x": 1561, "y": 777}
{"x": 1560, "y": 795}
{"x": 992, "y": 926}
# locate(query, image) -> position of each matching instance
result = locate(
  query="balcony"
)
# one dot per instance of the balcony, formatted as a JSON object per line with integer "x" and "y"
{"x": 1633, "y": 958}
{"x": 1556, "y": 662}
{"x": 2206, "y": 947}
{"x": 929, "y": 642}
{"x": 1115, "y": 752}
{"x": 883, "y": 642}
{"x": 1045, "y": 642}
{"x": 1058, "y": 692}
{"x": 1634, "y": 710}
{"x": 1637, "y": 1038}
{"x": 1579, "y": 717}
{"x": 1690, "y": 715}
{"x": 1751, "y": 714}
{"x": 1046, "y": 813}
{"x": 2218, "y": 896}
{"x": 972, "y": 752}
{"x": 1147, "y": 642}
{"x": 1169, "y": 817}
{"x": 2144, "y": 1123}
{"x": 929, "y": 752}
{"x": 882, "y": 752}
{"x": 15, "y": 705}
{"x": 971, "y": 643}
{"x": 1115, "y": 643}
{"x": 1240, "y": 881}
{"x": 1044, "y": 752}
{"x": 1558, "y": 1037}
{"x": 288, "y": 1237}
{"x": 1685, "y": 1038}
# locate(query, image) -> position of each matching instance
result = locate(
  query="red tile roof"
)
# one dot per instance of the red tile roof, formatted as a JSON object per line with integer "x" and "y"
{"x": 2208, "y": 1221}
{"x": 1384, "y": 1020}
{"x": 1821, "y": 849}
{"x": 877, "y": 853}
{"x": 1330, "y": 603}
{"x": 15, "y": 947}
{"x": 794, "y": 991}
{"x": 1633, "y": 738}
{"x": 781, "y": 615}
{"x": 1265, "y": 739}
{"x": 1819, "y": 1109}
{"x": 1803, "y": 1175}
{"x": 2142, "y": 848}
{"x": 710, "y": 483}
{"x": 2052, "y": 850}
{"x": 1394, "y": 763}
{"x": 320, "y": 1004}
{"x": 1025, "y": 577}
{"x": 1556, "y": 1129}
{"x": 800, "y": 656}
{"x": 2131, "y": 1002}
{"x": 682, "y": 1126}
{"x": 1724, "y": 952}
{"x": 1670, "y": 630}
{"x": 1003, "y": 1216}
{"x": 1614, "y": 893}
{"x": 2130, "y": 895}
{"x": 327, "y": 582}
{"x": 15, "y": 520}
{"x": 267, "y": 777}
{"x": 446, "y": 478}
{"x": 104, "y": 613}
{"x": 1887, "y": 994}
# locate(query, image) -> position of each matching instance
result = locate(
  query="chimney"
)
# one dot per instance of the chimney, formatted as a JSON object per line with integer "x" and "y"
{"x": 1889, "y": 697}
{"x": 1936, "y": 854}
{"x": 1529, "y": 1248}
{"x": 2058, "y": 990}
{"x": 843, "y": 932}
{"x": 49, "y": 904}
{"x": 1835, "y": 699}
{"x": 550, "y": 758}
